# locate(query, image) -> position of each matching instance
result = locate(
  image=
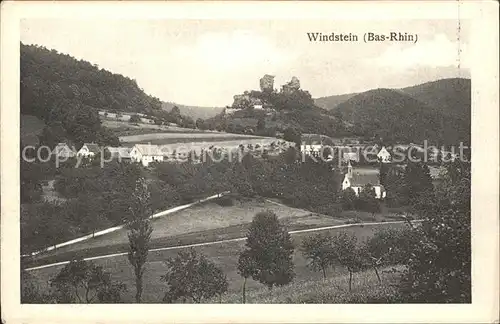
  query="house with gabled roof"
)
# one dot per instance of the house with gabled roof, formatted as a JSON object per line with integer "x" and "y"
{"x": 63, "y": 150}
{"x": 88, "y": 150}
{"x": 358, "y": 180}
{"x": 146, "y": 153}
{"x": 384, "y": 156}
{"x": 313, "y": 144}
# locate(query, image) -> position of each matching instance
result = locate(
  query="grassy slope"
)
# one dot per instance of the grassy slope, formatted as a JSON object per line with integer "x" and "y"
{"x": 225, "y": 255}
{"x": 202, "y": 223}
{"x": 334, "y": 289}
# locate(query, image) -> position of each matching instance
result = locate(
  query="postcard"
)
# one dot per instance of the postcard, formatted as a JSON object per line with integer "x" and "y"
{"x": 244, "y": 162}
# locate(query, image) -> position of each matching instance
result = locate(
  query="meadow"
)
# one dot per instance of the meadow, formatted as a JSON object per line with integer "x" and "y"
{"x": 201, "y": 223}
{"x": 204, "y": 223}
{"x": 125, "y": 128}
{"x": 207, "y": 136}
{"x": 224, "y": 255}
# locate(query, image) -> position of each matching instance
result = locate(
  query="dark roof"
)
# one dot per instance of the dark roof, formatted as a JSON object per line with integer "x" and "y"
{"x": 360, "y": 180}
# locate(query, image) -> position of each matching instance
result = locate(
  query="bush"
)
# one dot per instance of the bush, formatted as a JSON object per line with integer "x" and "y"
{"x": 134, "y": 119}
{"x": 225, "y": 201}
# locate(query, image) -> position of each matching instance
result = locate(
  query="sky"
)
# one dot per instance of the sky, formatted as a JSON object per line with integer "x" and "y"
{"x": 207, "y": 62}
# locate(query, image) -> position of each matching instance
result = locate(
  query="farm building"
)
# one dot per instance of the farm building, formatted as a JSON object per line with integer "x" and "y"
{"x": 146, "y": 153}
{"x": 62, "y": 150}
{"x": 88, "y": 150}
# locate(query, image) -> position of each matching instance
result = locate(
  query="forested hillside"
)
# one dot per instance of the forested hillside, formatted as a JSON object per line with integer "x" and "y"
{"x": 331, "y": 102}
{"x": 193, "y": 112}
{"x": 437, "y": 111}
{"x": 65, "y": 93}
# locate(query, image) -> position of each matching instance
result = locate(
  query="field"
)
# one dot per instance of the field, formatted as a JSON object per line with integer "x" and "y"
{"x": 206, "y": 136}
{"x": 225, "y": 255}
{"x": 184, "y": 143}
{"x": 204, "y": 223}
{"x": 124, "y": 128}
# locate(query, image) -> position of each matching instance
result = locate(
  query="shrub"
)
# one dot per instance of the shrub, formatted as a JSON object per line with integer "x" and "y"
{"x": 225, "y": 201}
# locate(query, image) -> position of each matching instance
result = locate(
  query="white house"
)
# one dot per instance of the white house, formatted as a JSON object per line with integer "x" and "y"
{"x": 350, "y": 156}
{"x": 62, "y": 150}
{"x": 384, "y": 156}
{"x": 357, "y": 181}
{"x": 88, "y": 150}
{"x": 146, "y": 153}
{"x": 315, "y": 144}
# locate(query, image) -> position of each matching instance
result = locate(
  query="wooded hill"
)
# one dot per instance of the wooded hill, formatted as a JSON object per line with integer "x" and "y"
{"x": 193, "y": 112}
{"x": 66, "y": 93}
{"x": 438, "y": 111}
{"x": 289, "y": 110}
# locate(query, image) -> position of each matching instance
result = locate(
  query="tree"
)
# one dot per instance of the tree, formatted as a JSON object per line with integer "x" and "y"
{"x": 261, "y": 124}
{"x": 417, "y": 181}
{"x": 134, "y": 119}
{"x": 84, "y": 282}
{"x": 318, "y": 250}
{"x": 139, "y": 234}
{"x": 200, "y": 124}
{"x": 294, "y": 135}
{"x": 246, "y": 268}
{"x": 30, "y": 294}
{"x": 270, "y": 249}
{"x": 348, "y": 199}
{"x": 348, "y": 254}
{"x": 390, "y": 247}
{"x": 439, "y": 270}
{"x": 368, "y": 201}
{"x": 193, "y": 277}
{"x": 175, "y": 112}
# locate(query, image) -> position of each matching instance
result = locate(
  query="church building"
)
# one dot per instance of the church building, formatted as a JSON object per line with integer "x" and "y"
{"x": 357, "y": 180}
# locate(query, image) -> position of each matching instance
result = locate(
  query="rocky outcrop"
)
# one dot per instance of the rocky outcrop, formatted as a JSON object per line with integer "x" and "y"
{"x": 241, "y": 101}
{"x": 267, "y": 83}
{"x": 291, "y": 86}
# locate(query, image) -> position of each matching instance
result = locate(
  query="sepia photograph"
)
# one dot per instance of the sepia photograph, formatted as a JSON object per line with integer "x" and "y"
{"x": 183, "y": 160}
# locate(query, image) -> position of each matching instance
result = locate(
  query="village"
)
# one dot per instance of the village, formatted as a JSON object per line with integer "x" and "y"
{"x": 159, "y": 189}
{"x": 358, "y": 163}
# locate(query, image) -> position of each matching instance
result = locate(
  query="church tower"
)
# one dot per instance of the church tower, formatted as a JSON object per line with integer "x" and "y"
{"x": 349, "y": 170}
